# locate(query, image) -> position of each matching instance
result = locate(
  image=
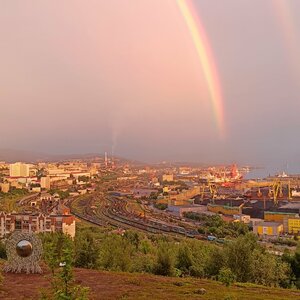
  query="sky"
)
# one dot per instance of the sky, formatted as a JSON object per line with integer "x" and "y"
{"x": 125, "y": 76}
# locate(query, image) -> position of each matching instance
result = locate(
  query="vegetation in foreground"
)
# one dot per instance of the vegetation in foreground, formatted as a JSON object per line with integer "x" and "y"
{"x": 243, "y": 259}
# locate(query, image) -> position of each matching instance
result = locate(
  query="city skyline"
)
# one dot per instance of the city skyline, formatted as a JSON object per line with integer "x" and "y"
{"x": 125, "y": 77}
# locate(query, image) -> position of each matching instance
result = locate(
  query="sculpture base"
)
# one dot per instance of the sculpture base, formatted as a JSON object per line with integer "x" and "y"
{"x": 24, "y": 251}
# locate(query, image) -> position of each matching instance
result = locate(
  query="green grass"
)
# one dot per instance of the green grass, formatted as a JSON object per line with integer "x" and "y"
{"x": 156, "y": 287}
{"x": 8, "y": 202}
{"x": 79, "y": 203}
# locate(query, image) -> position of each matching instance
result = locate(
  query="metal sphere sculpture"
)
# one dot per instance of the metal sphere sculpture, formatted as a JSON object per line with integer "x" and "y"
{"x": 24, "y": 251}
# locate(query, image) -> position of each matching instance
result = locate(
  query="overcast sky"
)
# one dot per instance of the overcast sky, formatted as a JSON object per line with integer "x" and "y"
{"x": 89, "y": 76}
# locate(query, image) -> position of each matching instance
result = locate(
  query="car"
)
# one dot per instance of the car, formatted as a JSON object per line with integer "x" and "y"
{"x": 211, "y": 238}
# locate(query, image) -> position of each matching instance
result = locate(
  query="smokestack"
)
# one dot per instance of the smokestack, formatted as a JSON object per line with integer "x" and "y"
{"x": 105, "y": 159}
{"x": 112, "y": 157}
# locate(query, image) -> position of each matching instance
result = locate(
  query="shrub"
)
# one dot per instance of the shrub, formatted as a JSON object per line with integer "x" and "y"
{"x": 226, "y": 276}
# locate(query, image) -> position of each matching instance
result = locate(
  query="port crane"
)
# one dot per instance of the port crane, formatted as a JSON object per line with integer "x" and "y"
{"x": 210, "y": 188}
{"x": 276, "y": 190}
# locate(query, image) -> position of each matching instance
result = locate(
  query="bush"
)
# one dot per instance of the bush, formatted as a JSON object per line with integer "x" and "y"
{"x": 184, "y": 259}
{"x": 2, "y": 251}
{"x": 161, "y": 206}
{"x": 226, "y": 276}
{"x": 115, "y": 254}
{"x": 164, "y": 263}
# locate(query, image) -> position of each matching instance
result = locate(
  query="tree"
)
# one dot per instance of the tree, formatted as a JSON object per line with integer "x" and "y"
{"x": 294, "y": 261}
{"x": 161, "y": 206}
{"x": 83, "y": 178}
{"x": 238, "y": 228}
{"x": 239, "y": 258}
{"x": 2, "y": 250}
{"x": 64, "y": 287}
{"x": 164, "y": 262}
{"x": 215, "y": 261}
{"x": 226, "y": 276}
{"x": 115, "y": 253}
{"x": 145, "y": 246}
{"x": 65, "y": 276}
{"x": 201, "y": 254}
{"x": 50, "y": 256}
{"x": 54, "y": 245}
{"x": 133, "y": 237}
{"x": 153, "y": 195}
{"x": 184, "y": 259}
{"x": 86, "y": 250}
{"x": 59, "y": 256}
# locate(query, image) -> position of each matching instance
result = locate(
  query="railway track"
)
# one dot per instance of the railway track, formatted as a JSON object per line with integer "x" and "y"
{"x": 111, "y": 211}
{"x": 26, "y": 200}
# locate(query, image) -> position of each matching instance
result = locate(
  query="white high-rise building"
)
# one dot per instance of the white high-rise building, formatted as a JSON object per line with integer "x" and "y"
{"x": 45, "y": 183}
{"x": 19, "y": 169}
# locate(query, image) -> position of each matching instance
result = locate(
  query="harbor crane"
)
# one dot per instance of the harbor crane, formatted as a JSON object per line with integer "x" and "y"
{"x": 210, "y": 188}
{"x": 276, "y": 190}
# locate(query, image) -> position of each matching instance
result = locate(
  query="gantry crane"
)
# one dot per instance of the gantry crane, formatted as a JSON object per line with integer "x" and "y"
{"x": 276, "y": 190}
{"x": 210, "y": 188}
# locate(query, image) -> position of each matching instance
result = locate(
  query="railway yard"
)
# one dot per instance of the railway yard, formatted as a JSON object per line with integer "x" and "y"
{"x": 114, "y": 204}
{"x": 102, "y": 209}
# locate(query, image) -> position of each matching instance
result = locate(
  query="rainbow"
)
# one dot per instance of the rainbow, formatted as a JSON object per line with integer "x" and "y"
{"x": 206, "y": 59}
{"x": 285, "y": 18}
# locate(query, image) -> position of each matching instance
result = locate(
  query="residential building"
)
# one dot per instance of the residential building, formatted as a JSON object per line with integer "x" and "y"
{"x": 3, "y": 165}
{"x": 37, "y": 223}
{"x": 168, "y": 177}
{"x": 45, "y": 183}
{"x": 4, "y": 187}
{"x": 19, "y": 169}
{"x": 81, "y": 174}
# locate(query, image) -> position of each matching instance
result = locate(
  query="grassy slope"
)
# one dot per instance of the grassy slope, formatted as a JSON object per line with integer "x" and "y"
{"x": 112, "y": 285}
{"x": 8, "y": 202}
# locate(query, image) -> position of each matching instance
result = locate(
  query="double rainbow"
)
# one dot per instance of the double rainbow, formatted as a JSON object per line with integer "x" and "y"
{"x": 206, "y": 59}
{"x": 286, "y": 20}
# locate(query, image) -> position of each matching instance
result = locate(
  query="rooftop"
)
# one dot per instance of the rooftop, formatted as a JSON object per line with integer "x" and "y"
{"x": 279, "y": 213}
{"x": 270, "y": 223}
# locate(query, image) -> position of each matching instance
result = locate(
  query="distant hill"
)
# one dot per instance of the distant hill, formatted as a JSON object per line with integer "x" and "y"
{"x": 12, "y": 155}
{"x": 115, "y": 285}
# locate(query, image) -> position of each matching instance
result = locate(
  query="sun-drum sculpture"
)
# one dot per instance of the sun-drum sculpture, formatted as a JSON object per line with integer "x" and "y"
{"x": 24, "y": 251}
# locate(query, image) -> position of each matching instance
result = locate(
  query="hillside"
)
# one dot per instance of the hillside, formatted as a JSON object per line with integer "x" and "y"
{"x": 12, "y": 155}
{"x": 112, "y": 285}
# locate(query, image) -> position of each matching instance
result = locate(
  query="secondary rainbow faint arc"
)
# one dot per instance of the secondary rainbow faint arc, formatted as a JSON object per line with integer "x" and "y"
{"x": 284, "y": 15}
{"x": 206, "y": 59}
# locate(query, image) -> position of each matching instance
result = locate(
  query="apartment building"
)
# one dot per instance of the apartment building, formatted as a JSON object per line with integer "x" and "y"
{"x": 37, "y": 223}
{"x": 19, "y": 169}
